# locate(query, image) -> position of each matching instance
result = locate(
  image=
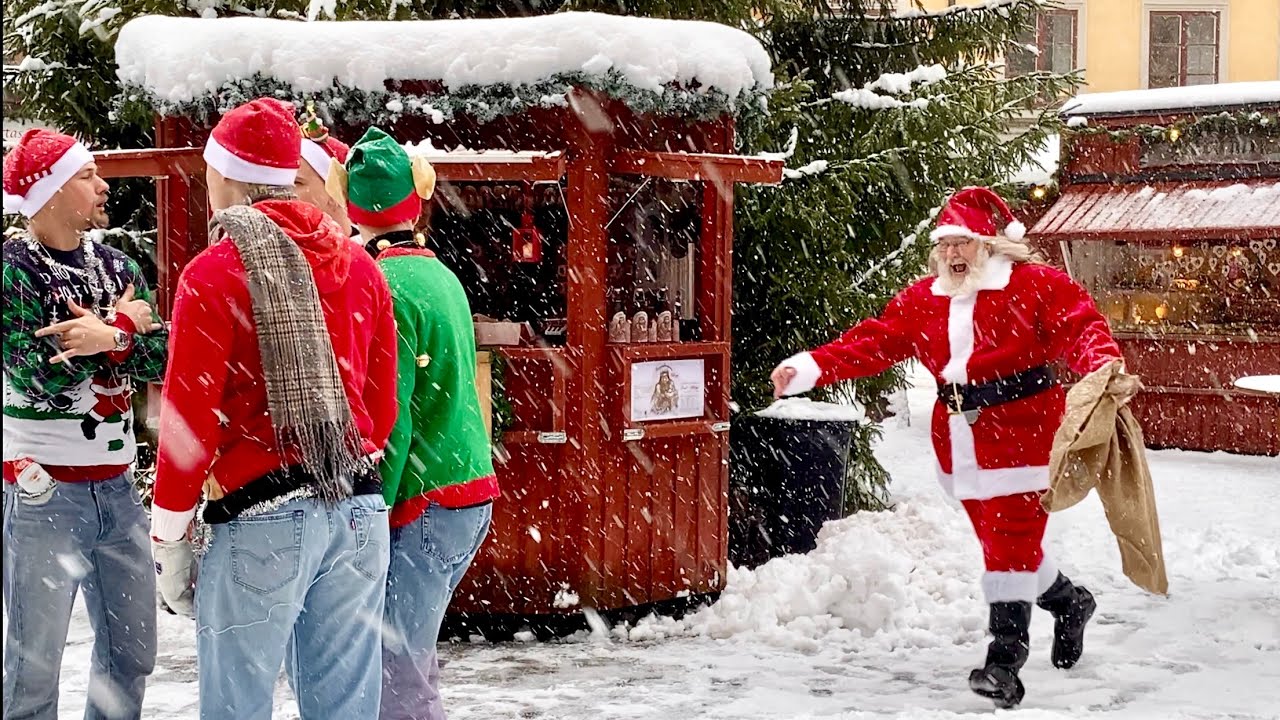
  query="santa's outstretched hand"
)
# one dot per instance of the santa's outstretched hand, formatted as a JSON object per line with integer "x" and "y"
{"x": 782, "y": 377}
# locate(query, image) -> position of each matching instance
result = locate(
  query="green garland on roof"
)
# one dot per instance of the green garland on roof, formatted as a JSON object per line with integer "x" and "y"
{"x": 482, "y": 102}
{"x": 1253, "y": 122}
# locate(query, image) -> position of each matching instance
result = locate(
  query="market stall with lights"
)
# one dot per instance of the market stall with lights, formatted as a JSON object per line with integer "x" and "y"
{"x": 1169, "y": 214}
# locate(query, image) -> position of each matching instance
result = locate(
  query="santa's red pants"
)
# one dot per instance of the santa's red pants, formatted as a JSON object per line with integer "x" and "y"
{"x": 1011, "y": 530}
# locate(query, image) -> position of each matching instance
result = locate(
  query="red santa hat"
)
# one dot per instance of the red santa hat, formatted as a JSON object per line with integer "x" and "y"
{"x": 37, "y": 168}
{"x": 256, "y": 143}
{"x": 977, "y": 212}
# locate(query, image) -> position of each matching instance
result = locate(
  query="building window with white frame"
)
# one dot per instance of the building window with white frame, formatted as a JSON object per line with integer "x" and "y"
{"x": 1184, "y": 49}
{"x": 1049, "y": 45}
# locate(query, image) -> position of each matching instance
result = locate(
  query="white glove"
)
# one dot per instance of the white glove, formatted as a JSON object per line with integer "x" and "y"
{"x": 35, "y": 486}
{"x": 176, "y": 574}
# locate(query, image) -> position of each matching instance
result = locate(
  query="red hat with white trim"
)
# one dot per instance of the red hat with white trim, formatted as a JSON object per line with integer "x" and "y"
{"x": 977, "y": 212}
{"x": 319, "y": 148}
{"x": 37, "y": 168}
{"x": 256, "y": 143}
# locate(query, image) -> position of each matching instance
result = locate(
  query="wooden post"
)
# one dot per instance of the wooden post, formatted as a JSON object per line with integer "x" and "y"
{"x": 590, "y": 131}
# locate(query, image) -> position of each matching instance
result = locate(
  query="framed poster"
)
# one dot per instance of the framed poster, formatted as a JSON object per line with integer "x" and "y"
{"x": 668, "y": 389}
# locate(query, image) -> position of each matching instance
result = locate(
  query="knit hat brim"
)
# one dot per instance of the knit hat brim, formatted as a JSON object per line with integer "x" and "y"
{"x": 403, "y": 211}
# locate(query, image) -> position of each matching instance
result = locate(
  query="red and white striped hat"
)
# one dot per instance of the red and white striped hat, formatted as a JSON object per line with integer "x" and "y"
{"x": 37, "y": 168}
{"x": 256, "y": 143}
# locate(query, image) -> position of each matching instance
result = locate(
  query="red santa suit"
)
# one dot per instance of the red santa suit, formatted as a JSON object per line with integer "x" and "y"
{"x": 1021, "y": 316}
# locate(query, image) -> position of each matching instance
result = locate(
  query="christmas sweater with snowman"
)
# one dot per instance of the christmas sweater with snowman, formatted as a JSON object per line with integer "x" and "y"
{"x": 75, "y": 418}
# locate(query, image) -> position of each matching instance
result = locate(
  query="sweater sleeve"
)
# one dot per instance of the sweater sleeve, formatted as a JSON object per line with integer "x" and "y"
{"x": 868, "y": 348}
{"x": 26, "y": 357}
{"x": 396, "y": 456}
{"x": 145, "y": 359}
{"x": 380, "y": 383}
{"x": 1074, "y": 329}
{"x": 190, "y": 433}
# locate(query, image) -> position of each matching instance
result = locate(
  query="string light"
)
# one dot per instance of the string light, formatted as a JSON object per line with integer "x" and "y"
{"x": 1179, "y": 251}
{"x": 1174, "y": 134}
{"x": 1039, "y": 192}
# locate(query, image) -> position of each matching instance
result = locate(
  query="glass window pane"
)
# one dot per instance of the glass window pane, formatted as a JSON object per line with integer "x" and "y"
{"x": 1166, "y": 29}
{"x": 1201, "y": 79}
{"x": 1061, "y": 27}
{"x": 1202, "y": 60}
{"x": 1202, "y": 29}
{"x": 1164, "y": 65}
{"x": 1063, "y": 58}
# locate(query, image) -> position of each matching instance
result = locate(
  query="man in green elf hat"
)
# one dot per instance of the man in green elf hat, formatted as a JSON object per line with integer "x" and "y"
{"x": 437, "y": 472}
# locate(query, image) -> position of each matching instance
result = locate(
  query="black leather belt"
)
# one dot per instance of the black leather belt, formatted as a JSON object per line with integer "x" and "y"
{"x": 968, "y": 400}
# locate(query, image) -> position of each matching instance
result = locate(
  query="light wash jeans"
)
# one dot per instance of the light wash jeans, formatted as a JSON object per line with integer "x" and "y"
{"x": 90, "y": 537}
{"x": 428, "y": 559}
{"x": 301, "y": 586}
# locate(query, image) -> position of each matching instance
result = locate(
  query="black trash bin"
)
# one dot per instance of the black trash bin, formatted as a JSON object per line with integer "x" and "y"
{"x": 786, "y": 478}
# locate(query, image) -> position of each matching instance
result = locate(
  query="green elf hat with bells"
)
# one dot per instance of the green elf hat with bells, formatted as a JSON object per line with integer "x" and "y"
{"x": 381, "y": 185}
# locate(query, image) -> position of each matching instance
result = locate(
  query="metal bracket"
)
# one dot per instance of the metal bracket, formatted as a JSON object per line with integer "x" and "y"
{"x": 553, "y": 438}
{"x": 633, "y": 434}
{"x": 719, "y": 427}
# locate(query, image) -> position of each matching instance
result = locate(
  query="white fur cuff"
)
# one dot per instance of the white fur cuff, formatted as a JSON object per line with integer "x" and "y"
{"x": 807, "y": 373}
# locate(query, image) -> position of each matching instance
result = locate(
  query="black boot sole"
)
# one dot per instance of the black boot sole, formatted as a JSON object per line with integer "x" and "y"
{"x": 1068, "y": 645}
{"x": 1004, "y": 695}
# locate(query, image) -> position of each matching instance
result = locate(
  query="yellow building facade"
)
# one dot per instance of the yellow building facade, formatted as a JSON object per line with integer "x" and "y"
{"x": 1137, "y": 44}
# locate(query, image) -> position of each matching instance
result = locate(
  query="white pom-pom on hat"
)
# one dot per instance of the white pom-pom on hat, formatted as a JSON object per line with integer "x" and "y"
{"x": 1015, "y": 230}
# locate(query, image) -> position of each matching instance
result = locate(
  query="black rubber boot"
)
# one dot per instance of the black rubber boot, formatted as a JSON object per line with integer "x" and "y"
{"x": 1071, "y": 606}
{"x": 1010, "y": 640}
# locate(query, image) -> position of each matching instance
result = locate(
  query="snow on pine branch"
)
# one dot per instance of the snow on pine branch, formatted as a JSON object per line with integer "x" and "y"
{"x": 1000, "y": 6}
{"x": 180, "y": 60}
{"x": 868, "y": 97}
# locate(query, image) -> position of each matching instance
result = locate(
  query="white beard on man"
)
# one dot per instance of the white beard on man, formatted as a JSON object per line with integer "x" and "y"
{"x": 958, "y": 279}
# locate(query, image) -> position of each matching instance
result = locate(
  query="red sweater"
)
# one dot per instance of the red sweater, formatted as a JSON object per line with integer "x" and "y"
{"x": 214, "y": 422}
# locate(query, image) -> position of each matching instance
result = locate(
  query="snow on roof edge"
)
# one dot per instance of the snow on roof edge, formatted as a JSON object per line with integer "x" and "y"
{"x": 178, "y": 61}
{"x": 1176, "y": 98}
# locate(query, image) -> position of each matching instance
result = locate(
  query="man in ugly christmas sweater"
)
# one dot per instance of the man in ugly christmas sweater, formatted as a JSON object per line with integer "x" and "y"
{"x": 437, "y": 473}
{"x": 74, "y": 341}
{"x": 280, "y": 389}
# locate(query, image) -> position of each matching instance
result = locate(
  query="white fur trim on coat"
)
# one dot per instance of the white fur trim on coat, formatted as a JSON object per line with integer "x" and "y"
{"x": 42, "y": 191}
{"x": 807, "y": 373}
{"x": 234, "y": 167}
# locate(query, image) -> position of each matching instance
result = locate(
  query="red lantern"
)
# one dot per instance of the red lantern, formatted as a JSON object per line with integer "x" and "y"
{"x": 526, "y": 241}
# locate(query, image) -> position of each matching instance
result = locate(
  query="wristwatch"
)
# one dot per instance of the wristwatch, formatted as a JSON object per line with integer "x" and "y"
{"x": 122, "y": 341}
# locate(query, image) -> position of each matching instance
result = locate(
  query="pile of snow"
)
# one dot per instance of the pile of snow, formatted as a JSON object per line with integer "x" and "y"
{"x": 907, "y": 578}
{"x": 799, "y": 408}
{"x": 1043, "y": 165}
{"x": 181, "y": 59}
{"x": 1174, "y": 98}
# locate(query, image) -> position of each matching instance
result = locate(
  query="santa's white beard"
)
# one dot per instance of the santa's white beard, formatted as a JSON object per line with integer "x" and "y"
{"x": 966, "y": 284}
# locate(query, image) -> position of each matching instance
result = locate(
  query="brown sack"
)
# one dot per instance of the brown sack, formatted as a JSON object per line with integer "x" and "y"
{"x": 1099, "y": 445}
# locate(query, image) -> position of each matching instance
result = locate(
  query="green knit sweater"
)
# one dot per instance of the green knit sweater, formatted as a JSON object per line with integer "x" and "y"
{"x": 439, "y": 438}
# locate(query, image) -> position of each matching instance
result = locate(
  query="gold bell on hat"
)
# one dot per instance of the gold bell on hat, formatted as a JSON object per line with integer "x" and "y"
{"x": 423, "y": 360}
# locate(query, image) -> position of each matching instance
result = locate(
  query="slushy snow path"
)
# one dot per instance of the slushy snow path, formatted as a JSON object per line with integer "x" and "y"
{"x": 884, "y": 620}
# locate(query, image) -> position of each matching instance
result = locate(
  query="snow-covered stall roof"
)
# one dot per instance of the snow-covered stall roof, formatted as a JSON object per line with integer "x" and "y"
{"x": 1174, "y": 98}
{"x": 486, "y": 67}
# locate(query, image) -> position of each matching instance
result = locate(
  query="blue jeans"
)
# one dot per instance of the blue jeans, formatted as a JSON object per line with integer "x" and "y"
{"x": 89, "y": 537}
{"x": 429, "y": 556}
{"x": 301, "y": 586}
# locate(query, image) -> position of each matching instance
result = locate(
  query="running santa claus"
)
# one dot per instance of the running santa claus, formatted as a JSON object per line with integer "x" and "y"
{"x": 988, "y": 322}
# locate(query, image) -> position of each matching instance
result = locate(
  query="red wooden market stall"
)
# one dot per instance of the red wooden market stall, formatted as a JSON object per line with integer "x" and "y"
{"x": 595, "y": 232}
{"x": 1169, "y": 214}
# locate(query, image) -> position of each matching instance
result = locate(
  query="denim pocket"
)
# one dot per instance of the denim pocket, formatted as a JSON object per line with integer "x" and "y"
{"x": 266, "y": 550}
{"x": 373, "y": 550}
{"x": 451, "y": 536}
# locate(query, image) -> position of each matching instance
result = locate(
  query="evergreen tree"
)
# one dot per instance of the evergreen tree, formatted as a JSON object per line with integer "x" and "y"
{"x": 880, "y": 117}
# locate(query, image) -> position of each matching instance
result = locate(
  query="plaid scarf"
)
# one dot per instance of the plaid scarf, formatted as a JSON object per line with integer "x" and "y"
{"x": 305, "y": 395}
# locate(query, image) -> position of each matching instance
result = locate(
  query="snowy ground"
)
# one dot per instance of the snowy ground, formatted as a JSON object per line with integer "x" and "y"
{"x": 884, "y": 620}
